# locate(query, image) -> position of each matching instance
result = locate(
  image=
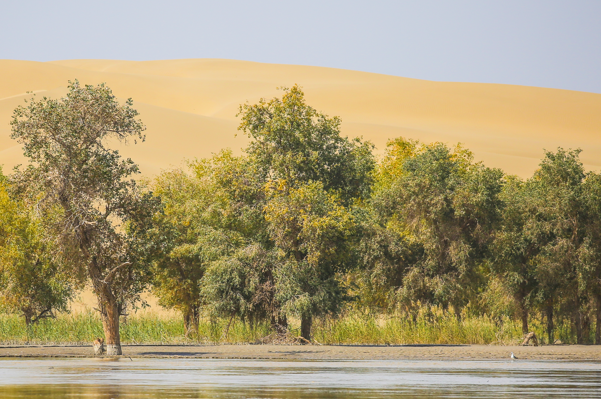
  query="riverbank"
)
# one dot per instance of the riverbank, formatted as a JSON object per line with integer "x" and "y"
{"x": 322, "y": 352}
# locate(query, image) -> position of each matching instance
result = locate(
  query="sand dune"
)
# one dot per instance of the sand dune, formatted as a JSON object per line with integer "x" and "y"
{"x": 189, "y": 107}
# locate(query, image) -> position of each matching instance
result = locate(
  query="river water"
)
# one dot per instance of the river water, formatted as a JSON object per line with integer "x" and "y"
{"x": 204, "y": 378}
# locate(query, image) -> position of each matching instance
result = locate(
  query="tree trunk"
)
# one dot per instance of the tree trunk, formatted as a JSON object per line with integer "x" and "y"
{"x": 524, "y": 315}
{"x": 550, "y": 327}
{"x": 107, "y": 302}
{"x": 578, "y": 322}
{"x": 279, "y": 323}
{"x": 306, "y": 323}
{"x": 110, "y": 324}
{"x": 191, "y": 320}
{"x": 109, "y": 310}
{"x": 28, "y": 318}
{"x": 523, "y": 310}
{"x": 586, "y": 328}
{"x": 598, "y": 322}
{"x": 283, "y": 322}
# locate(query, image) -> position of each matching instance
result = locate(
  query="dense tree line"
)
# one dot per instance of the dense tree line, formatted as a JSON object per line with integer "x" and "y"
{"x": 303, "y": 225}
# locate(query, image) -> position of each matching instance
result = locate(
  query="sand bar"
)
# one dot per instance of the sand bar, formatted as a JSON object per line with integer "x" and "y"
{"x": 325, "y": 352}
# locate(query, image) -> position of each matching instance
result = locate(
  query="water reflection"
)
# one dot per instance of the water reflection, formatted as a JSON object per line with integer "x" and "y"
{"x": 199, "y": 378}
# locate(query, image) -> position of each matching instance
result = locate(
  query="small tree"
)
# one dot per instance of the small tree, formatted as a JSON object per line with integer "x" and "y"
{"x": 71, "y": 167}
{"x": 241, "y": 281}
{"x": 34, "y": 280}
{"x": 186, "y": 238}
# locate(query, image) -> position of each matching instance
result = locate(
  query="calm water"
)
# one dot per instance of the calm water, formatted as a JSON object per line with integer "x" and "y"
{"x": 197, "y": 378}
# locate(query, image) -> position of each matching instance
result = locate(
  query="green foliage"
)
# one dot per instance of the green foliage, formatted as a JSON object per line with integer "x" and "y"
{"x": 184, "y": 242}
{"x": 312, "y": 175}
{"x": 311, "y": 229}
{"x": 239, "y": 281}
{"x": 34, "y": 280}
{"x": 446, "y": 203}
{"x": 295, "y": 143}
{"x": 242, "y": 284}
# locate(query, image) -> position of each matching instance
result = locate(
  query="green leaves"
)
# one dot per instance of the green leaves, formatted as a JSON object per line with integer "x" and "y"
{"x": 35, "y": 281}
{"x": 449, "y": 205}
{"x": 295, "y": 143}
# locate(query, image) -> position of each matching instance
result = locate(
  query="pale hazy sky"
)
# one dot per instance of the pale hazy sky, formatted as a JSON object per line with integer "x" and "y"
{"x": 546, "y": 43}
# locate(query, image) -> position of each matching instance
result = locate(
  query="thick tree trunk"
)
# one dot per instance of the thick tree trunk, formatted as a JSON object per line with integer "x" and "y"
{"x": 28, "y": 318}
{"x": 550, "y": 326}
{"x": 110, "y": 324}
{"x": 306, "y": 323}
{"x": 283, "y": 322}
{"x": 191, "y": 320}
{"x": 523, "y": 310}
{"x": 109, "y": 309}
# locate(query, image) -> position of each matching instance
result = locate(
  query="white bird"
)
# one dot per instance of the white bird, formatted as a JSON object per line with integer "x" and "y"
{"x": 513, "y": 357}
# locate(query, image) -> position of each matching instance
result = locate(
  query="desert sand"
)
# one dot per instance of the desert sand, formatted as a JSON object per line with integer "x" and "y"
{"x": 190, "y": 106}
{"x": 326, "y": 352}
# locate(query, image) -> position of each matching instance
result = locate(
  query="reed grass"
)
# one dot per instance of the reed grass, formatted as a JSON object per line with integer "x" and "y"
{"x": 429, "y": 326}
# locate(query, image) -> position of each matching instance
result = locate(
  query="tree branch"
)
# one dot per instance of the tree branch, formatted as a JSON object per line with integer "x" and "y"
{"x": 111, "y": 274}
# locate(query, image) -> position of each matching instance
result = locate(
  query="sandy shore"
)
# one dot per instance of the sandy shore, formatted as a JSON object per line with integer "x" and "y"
{"x": 315, "y": 352}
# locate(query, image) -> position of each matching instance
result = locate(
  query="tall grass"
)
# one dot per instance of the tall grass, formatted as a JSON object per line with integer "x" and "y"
{"x": 148, "y": 328}
{"x": 431, "y": 325}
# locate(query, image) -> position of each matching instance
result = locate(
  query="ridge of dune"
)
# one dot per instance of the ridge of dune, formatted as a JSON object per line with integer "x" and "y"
{"x": 190, "y": 106}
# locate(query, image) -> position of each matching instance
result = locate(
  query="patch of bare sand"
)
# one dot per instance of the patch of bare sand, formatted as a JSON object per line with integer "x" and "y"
{"x": 314, "y": 352}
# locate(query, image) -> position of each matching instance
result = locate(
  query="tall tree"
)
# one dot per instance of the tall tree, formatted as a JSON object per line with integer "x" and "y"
{"x": 305, "y": 160}
{"x": 559, "y": 217}
{"x": 450, "y": 205}
{"x": 589, "y": 254}
{"x": 71, "y": 167}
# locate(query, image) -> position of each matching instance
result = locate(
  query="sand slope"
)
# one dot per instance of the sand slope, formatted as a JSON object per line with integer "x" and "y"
{"x": 189, "y": 107}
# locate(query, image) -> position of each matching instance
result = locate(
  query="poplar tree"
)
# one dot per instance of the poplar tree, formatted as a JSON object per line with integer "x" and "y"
{"x": 313, "y": 176}
{"x": 447, "y": 203}
{"x": 561, "y": 219}
{"x": 104, "y": 213}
